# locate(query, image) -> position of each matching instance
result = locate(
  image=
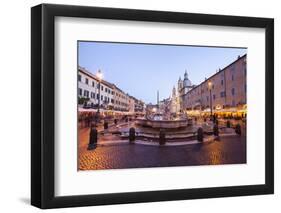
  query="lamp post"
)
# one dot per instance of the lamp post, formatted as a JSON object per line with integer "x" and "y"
{"x": 99, "y": 76}
{"x": 93, "y": 131}
{"x": 210, "y": 84}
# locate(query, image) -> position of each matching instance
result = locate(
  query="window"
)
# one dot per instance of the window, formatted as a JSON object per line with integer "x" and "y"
{"x": 232, "y": 77}
{"x": 233, "y": 91}
{"x": 101, "y": 87}
{"x": 105, "y": 89}
{"x": 79, "y": 77}
{"x": 93, "y": 84}
{"x": 98, "y": 96}
{"x": 222, "y": 94}
{"x": 80, "y": 91}
{"x": 233, "y": 68}
{"x": 86, "y": 80}
{"x": 86, "y": 93}
{"x": 101, "y": 97}
{"x": 221, "y": 82}
{"x": 112, "y": 100}
{"x": 214, "y": 96}
{"x": 207, "y": 98}
{"x": 92, "y": 95}
{"x": 108, "y": 91}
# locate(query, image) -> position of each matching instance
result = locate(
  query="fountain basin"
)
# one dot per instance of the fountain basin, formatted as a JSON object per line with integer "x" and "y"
{"x": 163, "y": 124}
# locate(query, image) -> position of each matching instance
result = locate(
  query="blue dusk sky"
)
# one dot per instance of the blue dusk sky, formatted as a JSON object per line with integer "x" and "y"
{"x": 142, "y": 69}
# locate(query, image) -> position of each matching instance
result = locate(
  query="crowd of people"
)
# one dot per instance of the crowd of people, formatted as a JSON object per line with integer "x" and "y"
{"x": 87, "y": 119}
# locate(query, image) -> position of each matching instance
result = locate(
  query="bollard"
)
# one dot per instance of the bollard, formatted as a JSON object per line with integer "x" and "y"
{"x": 200, "y": 134}
{"x": 93, "y": 139}
{"x": 162, "y": 137}
{"x": 228, "y": 124}
{"x": 216, "y": 130}
{"x": 105, "y": 125}
{"x": 132, "y": 134}
{"x": 217, "y": 122}
{"x": 238, "y": 129}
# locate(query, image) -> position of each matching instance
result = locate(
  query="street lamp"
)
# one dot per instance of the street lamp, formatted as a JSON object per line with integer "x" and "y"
{"x": 99, "y": 76}
{"x": 210, "y": 84}
{"x": 93, "y": 131}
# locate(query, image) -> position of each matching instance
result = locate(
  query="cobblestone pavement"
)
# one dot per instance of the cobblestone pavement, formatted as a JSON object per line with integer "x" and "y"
{"x": 229, "y": 150}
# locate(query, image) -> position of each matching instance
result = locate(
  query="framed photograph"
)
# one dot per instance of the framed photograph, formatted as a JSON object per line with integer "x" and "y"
{"x": 139, "y": 106}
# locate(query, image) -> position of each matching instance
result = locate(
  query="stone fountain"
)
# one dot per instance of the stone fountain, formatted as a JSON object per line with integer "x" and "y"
{"x": 157, "y": 122}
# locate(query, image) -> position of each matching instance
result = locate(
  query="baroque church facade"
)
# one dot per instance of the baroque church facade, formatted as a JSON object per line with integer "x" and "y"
{"x": 178, "y": 95}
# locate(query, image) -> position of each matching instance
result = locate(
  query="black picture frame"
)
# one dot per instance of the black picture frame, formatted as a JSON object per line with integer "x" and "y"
{"x": 43, "y": 105}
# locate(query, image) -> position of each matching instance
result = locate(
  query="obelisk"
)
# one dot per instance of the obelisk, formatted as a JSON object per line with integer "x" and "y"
{"x": 158, "y": 99}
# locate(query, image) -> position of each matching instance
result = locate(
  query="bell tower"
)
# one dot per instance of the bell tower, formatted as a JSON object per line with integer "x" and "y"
{"x": 180, "y": 85}
{"x": 174, "y": 94}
